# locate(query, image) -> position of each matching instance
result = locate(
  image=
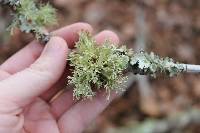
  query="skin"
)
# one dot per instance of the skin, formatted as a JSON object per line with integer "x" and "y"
{"x": 34, "y": 75}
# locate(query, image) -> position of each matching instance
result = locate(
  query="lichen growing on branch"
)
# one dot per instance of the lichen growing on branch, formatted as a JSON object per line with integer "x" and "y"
{"x": 151, "y": 64}
{"x": 96, "y": 66}
{"x": 10, "y": 2}
{"x": 102, "y": 66}
{"x": 30, "y": 17}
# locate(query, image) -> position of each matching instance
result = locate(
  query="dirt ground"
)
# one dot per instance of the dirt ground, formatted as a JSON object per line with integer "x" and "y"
{"x": 167, "y": 27}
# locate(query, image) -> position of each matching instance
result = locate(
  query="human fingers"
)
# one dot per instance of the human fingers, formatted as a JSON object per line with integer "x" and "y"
{"x": 65, "y": 101}
{"x": 25, "y": 85}
{"x": 26, "y": 56}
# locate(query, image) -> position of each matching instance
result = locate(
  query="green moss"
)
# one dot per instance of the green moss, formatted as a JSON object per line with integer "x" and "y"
{"x": 96, "y": 67}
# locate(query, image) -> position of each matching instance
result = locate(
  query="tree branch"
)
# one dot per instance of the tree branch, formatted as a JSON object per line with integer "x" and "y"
{"x": 29, "y": 18}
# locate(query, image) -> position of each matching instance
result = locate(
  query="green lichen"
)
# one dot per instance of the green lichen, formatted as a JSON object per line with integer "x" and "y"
{"x": 96, "y": 67}
{"x": 101, "y": 67}
{"x": 10, "y": 2}
{"x": 32, "y": 18}
{"x": 151, "y": 64}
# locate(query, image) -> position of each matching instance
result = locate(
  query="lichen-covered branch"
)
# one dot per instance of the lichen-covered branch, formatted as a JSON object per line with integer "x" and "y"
{"x": 151, "y": 64}
{"x": 31, "y": 18}
{"x": 97, "y": 67}
{"x": 13, "y": 3}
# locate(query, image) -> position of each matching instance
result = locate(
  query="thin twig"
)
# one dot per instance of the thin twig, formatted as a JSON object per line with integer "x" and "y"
{"x": 189, "y": 68}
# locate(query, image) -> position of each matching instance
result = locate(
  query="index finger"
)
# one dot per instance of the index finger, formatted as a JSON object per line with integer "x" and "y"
{"x": 26, "y": 56}
{"x": 83, "y": 112}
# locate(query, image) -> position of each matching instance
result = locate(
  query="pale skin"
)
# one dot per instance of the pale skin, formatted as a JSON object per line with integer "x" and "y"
{"x": 34, "y": 75}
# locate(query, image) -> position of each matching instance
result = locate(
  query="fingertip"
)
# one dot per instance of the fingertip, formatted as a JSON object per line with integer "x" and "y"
{"x": 55, "y": 47}
{"x": 55, "y": 52}
{"x": 60, "y": 41}
{"x": 84, "y": 26}
{"x": 70, "y": 33}
{"x": 107, "y": 35}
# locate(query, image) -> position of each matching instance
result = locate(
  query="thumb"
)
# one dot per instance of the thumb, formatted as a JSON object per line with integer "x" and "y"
{"x": 23, "y": 86}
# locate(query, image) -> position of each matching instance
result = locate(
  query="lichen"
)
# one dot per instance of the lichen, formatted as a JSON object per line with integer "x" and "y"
{"x": 30, "y": 17}
{"x": 101, "y": 67}
{"x": 96, "y": 67}
{"x": 151, "y": 64}
{"x": 11, "y": 2}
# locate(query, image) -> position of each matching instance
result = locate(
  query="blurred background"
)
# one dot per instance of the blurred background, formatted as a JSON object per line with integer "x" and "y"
{"x": 168, "y": 28}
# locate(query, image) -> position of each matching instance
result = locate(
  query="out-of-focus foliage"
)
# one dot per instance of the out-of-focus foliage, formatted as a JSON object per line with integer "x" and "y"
{"x": 175, "y": 123}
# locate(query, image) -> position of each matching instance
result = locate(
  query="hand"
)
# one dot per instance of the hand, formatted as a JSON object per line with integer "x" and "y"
{"x": 34, "y": 75}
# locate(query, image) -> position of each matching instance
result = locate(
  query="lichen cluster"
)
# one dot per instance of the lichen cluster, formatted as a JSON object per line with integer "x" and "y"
{"x": 30, "y": 17}
{"x": 10, "y": 2}
{"x": 96, "y": 67}
{"x": 151, "y": 64}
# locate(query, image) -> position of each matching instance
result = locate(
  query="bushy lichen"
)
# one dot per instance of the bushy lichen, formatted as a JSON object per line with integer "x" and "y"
{"x": 151, "y": 64}
{"x": 30, "y": 17}
{"x": 96, "y": 67}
